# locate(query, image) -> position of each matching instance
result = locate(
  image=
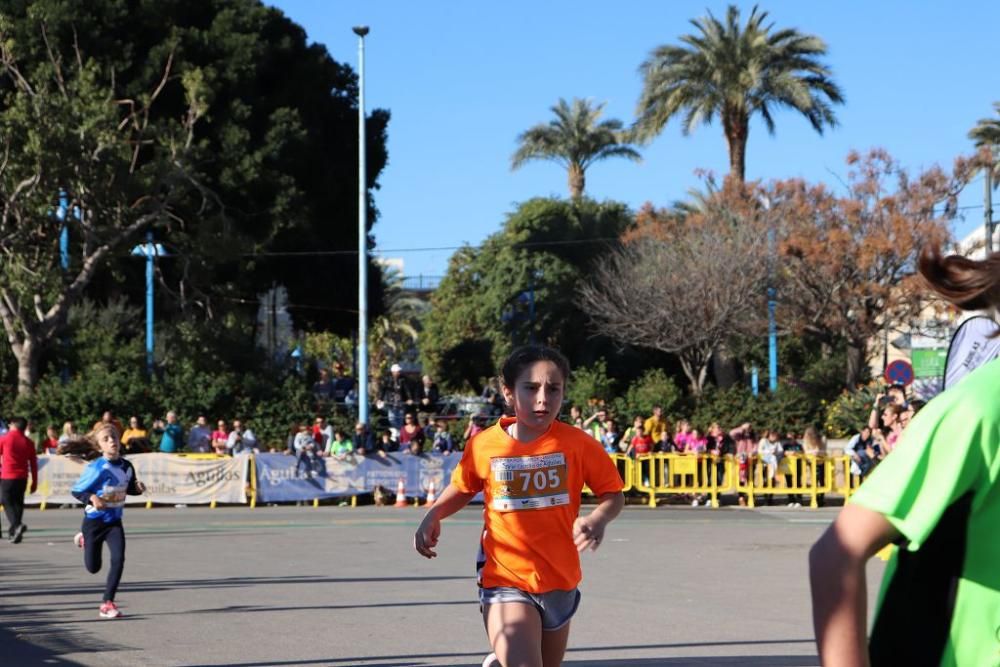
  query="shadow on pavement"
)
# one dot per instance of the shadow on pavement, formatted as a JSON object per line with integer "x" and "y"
{"x": 44, "y": 648}
{"x": 242, "y": 609}
{"x": 428, "y": 659}
{"x": 226, "y": 582}
{"x": 706, "y": 661}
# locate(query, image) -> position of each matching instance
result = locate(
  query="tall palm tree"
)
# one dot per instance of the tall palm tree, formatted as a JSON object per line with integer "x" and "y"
{"x": 736, "y": 72}
{"x": 575, "y": 139}
{"x": 987, "y": 133}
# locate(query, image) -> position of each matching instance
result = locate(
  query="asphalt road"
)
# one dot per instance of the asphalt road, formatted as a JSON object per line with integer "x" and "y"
{"x": 340, "y": 586}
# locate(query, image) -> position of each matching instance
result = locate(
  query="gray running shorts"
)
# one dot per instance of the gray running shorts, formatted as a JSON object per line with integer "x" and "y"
{"x": 556, "y": 607}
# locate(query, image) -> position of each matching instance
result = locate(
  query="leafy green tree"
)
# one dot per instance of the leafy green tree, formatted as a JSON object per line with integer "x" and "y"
{"x": 986, "y": 134}
{"x": 65, "y": 125}
{"x": 653, "y": 388}
{"x": 484, "y": 303}
{"x": 591, "y": 385}
{"x": 270, "y": 164}
{"x": 575, "y": 139}
{"x": 734, "y": 72}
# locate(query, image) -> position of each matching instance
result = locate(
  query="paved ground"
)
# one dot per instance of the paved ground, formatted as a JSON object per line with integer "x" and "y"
{"x": 340, "y": 586}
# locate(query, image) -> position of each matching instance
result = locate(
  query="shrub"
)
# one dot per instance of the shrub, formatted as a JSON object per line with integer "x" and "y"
{"x": 654, "y": 387}
{"x": 787, "y": 409}
{"x": 847, "y": 413}
{"x": 590, "y": 386}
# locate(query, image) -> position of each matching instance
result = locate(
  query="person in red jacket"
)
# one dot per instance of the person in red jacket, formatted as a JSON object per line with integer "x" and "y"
{"x": 17, "y": 457}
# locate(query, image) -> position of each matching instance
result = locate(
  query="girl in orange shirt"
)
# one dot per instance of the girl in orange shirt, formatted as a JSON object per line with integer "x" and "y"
{"x": 531, "y": 469}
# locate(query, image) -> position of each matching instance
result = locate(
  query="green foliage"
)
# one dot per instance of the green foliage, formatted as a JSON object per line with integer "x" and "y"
{"x": 654, "y": 387}
{"x": 591, "y": 386}
{"x": 327, "y": 348}
{"x": 803, "y": 361}
{"x": 730, "y": 407}
{"x": 199, "y": 376}
{"x": 546, "y": 248}
{"x": 735, "y": 71}
{"x": 272, "y": 408}
{"x": 266, "y": 406}
{"x": 246, "y": 147}
{"x": 788, "y": 409}
{"x": 849, "y": 411}
{"x": 575, "y": 139}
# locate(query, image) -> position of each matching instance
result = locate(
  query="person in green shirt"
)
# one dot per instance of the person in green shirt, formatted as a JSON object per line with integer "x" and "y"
{"x": 936, "y": 497}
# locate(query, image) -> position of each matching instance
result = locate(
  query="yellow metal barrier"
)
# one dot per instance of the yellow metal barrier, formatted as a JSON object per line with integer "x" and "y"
{"x": 711, "y": 475}
{"x": 252, "y": 482}
{"x": 797, "y": 475}
{"x": 624, "y": 465}
{"x": 689, "y": 474}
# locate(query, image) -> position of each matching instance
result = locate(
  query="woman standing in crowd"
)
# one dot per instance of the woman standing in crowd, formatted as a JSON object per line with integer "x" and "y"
{"x": 68, "y": 433}
{"x": 814, "y": 445}
{"x": 50, "y": 445}
{"x": 220, "y": 438}
{"x": 134, "y": 430}
{"x": 411, "y": 436}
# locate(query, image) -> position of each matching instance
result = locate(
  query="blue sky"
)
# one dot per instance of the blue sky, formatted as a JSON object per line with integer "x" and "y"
{"x": 463, "y": 79}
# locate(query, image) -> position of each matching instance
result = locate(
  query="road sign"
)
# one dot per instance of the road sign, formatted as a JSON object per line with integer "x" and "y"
{"x": 899, "y": 372}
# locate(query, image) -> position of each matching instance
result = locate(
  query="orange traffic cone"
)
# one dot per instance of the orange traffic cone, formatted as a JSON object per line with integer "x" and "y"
{"x": 431, "y": 494}
{"x": 400, "y": 493}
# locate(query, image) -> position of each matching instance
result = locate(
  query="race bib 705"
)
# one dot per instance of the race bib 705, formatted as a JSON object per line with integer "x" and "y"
{"x": 529, "y": 482}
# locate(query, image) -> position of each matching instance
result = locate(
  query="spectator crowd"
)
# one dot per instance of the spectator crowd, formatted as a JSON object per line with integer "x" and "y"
{"x": 411, "y": 423}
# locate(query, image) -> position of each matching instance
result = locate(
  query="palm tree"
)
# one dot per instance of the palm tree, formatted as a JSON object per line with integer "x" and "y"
{"x": 575, "y": 139}
{"x": 986, "y": 133}
{"x": 736, "y": 73}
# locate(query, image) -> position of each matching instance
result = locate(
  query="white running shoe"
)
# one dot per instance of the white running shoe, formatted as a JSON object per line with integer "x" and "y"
{"x": 491, "y": 661}
{"x": 110, "y": 610}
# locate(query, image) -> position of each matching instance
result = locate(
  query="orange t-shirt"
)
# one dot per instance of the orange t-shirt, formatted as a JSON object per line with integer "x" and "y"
{"x": 531, "y": 496}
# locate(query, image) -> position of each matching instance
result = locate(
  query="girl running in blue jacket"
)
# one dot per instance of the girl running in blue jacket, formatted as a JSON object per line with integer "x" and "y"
{"x": 102, "y": 489}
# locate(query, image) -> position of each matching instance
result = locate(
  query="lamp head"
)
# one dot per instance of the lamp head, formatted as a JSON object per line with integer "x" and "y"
{"x": 360, "y": 30}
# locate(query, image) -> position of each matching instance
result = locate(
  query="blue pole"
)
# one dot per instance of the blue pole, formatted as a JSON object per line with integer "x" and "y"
{"x": 772, "y": 341}
{"x": 150, "y": 253}
{"x": 62, "y": 212}
{"x": 754, "y": 381}
{"x": 772, "y": 325}
{"x": 361, "y": 31}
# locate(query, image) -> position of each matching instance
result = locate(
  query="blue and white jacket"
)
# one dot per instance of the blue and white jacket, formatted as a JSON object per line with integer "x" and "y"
{"x": 111, "y": 481}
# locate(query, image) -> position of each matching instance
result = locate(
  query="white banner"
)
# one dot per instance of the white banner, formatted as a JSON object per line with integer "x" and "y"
{"x": 169, "y": 478}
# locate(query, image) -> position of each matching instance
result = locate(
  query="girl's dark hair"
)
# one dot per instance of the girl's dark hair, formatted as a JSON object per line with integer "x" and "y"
{"x": 895, "y": 408}
{"x": 522, "y": 357}
{"x": 970, "y": 284}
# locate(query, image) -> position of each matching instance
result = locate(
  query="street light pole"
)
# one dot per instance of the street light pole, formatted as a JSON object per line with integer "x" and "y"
{"x": 150, "y": 252}
{"x": 361, "y": 31}
{"x": 772, "y": 302}
{"x": 62, "y": 213}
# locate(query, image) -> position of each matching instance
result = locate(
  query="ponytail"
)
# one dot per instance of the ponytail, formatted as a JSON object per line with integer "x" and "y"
{"x": 970, "y": 284}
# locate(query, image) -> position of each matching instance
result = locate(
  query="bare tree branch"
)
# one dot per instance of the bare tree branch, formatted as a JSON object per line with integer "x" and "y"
{"x": 684, "y": 294}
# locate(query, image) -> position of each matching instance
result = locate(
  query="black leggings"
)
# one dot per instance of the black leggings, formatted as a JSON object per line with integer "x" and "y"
{"x": 95, "y": 534}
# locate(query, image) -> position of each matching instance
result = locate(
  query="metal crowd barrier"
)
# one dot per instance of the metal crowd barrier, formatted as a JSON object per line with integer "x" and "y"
{"x": 660, "y": 475}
